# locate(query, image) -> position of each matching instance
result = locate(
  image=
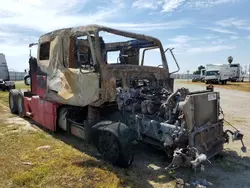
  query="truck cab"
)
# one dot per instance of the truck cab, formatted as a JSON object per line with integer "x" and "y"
{"x": 212, "y": 76}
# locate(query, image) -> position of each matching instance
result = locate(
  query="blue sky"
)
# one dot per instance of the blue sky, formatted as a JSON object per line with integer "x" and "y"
{"x": 202, "y": 31}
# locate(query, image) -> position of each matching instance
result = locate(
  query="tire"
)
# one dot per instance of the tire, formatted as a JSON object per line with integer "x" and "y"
{"x": 20, "y": 105}
{"x": 13, "y": 94}
{"x": 109, "y": 147}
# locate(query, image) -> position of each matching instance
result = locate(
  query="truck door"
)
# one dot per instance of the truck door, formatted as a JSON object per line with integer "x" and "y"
{"x": 71, "y": 76}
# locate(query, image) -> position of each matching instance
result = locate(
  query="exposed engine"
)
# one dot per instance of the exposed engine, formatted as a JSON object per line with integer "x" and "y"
{"x": 153, "y": 112}
{"x": 175, "y": 122}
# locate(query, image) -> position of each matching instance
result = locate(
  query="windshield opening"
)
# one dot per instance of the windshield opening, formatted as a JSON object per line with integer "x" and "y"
{"x": 212, "y": 73}
{"x": 151, "y": 57}
{"x": 116, "y": 49}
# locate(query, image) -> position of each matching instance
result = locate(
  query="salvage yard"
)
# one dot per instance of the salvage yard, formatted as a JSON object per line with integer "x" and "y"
{"x": 33, "y": 157}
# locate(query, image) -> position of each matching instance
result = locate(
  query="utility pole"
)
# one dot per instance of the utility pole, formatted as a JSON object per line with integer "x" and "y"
{"x": 187, "y": 75}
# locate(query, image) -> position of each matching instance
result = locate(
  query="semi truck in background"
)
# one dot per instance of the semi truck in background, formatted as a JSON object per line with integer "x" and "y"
{"x": 218, "y": 74}
{"x": 5, "y": 83}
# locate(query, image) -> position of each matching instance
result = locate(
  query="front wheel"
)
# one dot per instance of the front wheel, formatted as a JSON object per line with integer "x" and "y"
{"x": 111, "y": 150}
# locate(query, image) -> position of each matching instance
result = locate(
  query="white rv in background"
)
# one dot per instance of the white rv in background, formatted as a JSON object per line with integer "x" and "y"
{"x": 217, "y": 73}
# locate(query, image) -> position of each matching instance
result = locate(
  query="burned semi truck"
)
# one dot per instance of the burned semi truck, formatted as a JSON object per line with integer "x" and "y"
{"x": 116, "y": 102}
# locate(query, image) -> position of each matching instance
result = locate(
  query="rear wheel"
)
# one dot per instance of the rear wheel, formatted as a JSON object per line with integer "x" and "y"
{"x": 20, "y": 105}
{"x": 13, "y": 94}
{"x": 110, "y": 148}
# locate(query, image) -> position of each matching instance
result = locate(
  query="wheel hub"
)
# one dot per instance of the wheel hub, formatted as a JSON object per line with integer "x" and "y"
{"x": 108, "y": 146}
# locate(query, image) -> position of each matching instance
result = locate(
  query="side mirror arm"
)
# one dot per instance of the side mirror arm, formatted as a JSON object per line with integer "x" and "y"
{"x": 178, "y": 68}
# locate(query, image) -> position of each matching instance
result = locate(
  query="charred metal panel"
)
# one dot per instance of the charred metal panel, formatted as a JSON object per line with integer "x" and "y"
{"x": 74, "y": 87}
{"x": 200, "y": 109}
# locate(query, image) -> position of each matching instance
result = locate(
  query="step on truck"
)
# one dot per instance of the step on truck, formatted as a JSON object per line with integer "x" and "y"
{"x": 114, "y": 96}
{"x": 5, "y": 83}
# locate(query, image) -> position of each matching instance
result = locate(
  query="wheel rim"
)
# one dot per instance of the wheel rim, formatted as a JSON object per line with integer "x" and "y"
{"x": 108, "y": 146}
{"x": 20, "y": 105}
{"x": 11, "y": 101}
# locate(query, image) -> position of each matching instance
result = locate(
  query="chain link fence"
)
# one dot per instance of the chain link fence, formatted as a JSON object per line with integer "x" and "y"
{"x": 184, "y": 76}
{"x": 16, "y": 76}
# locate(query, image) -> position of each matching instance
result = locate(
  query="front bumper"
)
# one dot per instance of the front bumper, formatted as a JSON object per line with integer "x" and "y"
{"x": 212, "y": 80}
{"x": 204, "y": 143}
{"x": 208, "y": 139}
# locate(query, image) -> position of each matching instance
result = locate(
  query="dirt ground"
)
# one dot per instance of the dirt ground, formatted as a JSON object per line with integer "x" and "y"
{"x": 231, "y": 169}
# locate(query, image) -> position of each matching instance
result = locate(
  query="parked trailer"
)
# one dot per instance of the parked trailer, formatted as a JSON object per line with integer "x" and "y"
{"x": 74, "y": 87}
{"x": 5, "y": 83}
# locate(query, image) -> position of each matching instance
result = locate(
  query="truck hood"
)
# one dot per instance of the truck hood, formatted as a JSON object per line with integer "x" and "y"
{"x": 135, "y": 71}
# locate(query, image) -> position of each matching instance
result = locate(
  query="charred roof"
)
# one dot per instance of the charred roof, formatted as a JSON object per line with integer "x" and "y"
{"x": 78, "y": 31}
